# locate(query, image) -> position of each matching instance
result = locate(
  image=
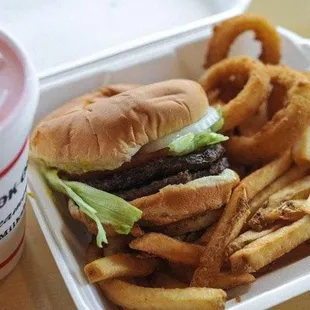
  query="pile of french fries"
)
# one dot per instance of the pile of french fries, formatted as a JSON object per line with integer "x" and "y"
{"x": 267, "y": 216}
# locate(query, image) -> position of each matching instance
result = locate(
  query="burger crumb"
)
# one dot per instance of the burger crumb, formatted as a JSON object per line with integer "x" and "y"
{"x": 238, "y": 299}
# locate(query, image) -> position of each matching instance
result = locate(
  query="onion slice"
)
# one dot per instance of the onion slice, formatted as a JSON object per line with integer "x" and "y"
{"x": 209, "y": 119}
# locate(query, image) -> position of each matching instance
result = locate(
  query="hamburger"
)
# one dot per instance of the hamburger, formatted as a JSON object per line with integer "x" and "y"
{"x": 130, "y": 154}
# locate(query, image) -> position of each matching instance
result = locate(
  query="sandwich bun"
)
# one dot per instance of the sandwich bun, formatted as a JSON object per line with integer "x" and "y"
{"x": 103, "y": 130}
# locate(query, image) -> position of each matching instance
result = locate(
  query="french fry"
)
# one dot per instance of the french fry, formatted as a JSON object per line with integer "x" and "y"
{"x": 265, "y": 250}
{"x": 291, "y": 210}
{"x": 117, "y": 244}
{"x": 291, "y": 175}
{"x": 168, "y": 248}
{"x": 207, "y": 235}
{"x": 228, "y": 280}
{"x": 140, "y": 281}
{"x": 301, "y": 151}
{"x": 184, "y": 273}
{"x": 192, "y": 237}
{"x": 298, "y": 253}
{"x": 180, "y": 237}
{"x": 299, "y": 189}
{"x": 192, "y": 224}
{"x": 227, "y": 229}
{"x": 131, "y": 296}
{"x": 119, "y": 265}
{"x": 246, "y": 238}
{"x": 262, "y": 177}
{"x": 160, "y": 279}
{"x": 137, "y": 231}
{"x": 145, "y": 255}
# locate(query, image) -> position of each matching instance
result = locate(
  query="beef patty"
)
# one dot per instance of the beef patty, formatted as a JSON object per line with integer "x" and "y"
{"x": 150, "y": 177}
{"x": 157, "y": 169}
{"x": 180, "y": 178}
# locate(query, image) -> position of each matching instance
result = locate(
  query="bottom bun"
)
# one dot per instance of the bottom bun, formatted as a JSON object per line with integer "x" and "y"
{"x": 175, "y": 202}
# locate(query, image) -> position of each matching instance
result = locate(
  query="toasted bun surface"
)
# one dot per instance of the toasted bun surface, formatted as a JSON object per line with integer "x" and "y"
{"x": 177, "y": 202}
{"x": 102, "y": 133}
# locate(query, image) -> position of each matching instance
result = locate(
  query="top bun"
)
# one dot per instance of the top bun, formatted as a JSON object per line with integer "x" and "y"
{"x": 104, "y": 129}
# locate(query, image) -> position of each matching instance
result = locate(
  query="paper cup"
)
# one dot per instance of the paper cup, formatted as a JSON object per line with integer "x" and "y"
{"x": 18, "y": 101}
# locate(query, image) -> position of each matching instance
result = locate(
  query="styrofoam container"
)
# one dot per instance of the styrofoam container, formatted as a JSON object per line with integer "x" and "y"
{"x": 179, "y": 56}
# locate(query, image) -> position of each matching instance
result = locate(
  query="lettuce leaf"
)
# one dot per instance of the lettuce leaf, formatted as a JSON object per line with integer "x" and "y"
{"x": 102, "y": 207}
{"x": 191, "y": 142}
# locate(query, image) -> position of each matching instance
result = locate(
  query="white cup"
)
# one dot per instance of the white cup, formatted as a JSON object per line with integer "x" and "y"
{"x": 18, "y": 101}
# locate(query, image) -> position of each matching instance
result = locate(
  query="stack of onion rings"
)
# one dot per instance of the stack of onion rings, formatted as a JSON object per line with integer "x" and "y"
{"x": 265, "y": 107}
{"x": 226, "y": 32}
{"x": 279, "y": 133}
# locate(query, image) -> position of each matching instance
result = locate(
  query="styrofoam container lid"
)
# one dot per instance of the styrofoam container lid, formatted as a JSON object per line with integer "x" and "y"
{"x": 59, "y": 35}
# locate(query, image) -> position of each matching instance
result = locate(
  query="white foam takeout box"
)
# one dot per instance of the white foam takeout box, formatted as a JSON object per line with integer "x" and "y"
{"x": 176, "y": 53}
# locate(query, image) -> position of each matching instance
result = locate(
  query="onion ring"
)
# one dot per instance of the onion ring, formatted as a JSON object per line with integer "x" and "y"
{"x": 282, "y": 80}
{"x": 227, "y": 90}
{"x": 248, "y": 101}
{"x": 225, "y": 33}
{"x": 279, "y": 133}
{"x": 253, "y": 124}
